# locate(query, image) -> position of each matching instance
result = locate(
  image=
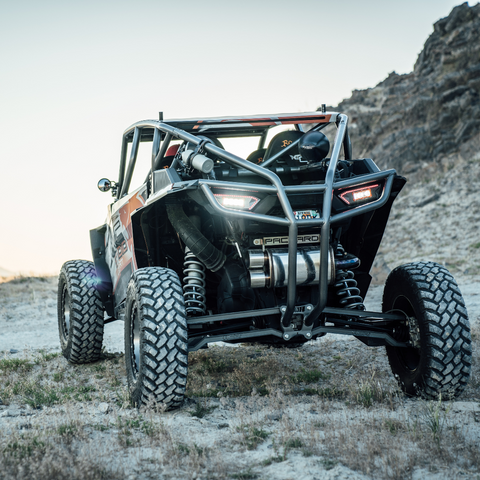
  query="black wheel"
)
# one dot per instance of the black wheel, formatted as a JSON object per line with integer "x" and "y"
{"x": 80, "y": 312}
{"x": 440, "y": 359}
{"x": 156, "y": 340}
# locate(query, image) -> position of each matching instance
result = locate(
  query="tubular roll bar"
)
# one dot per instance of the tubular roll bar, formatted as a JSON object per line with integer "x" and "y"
{"x": 276, "y": 186}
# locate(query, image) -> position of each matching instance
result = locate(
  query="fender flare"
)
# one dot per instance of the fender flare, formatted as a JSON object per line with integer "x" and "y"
{"x": 104, "y": 284}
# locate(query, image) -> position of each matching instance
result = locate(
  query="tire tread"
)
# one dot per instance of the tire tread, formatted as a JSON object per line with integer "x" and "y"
{"x": 449, "y": 351}
{"x": 85, "y": 338}
{"x": 163, "y": 376}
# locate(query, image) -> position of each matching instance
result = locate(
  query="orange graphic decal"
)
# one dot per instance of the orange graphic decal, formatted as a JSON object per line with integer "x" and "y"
{"x": 286, "y": 142}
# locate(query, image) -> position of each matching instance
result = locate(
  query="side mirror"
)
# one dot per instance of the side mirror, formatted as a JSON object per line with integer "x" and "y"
{"x": 104, "y": 185}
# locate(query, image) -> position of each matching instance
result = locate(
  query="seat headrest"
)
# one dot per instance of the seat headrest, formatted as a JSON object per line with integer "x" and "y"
{"x": 257, "y": 156}
{"x": 279, "y": 142}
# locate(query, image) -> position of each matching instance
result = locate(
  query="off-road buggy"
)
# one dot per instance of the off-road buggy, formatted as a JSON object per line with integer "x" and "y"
{"x": 274, "y": 248}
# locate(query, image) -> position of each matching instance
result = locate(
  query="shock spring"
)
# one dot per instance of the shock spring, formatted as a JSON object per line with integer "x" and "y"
{"x": 346, "y": 287}
{"x": 194, "y": 284}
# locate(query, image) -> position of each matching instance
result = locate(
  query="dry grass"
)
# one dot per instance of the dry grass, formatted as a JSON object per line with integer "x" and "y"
{"x": 55, "y": 463}
{"x": 51, "y": 453}
{"x": 48, "y": 380}
{"x": 251, "y": 412}
{"x": 333, "y": 404}
{"x": 355, "y": 378}
{"x": 387, "y": 447}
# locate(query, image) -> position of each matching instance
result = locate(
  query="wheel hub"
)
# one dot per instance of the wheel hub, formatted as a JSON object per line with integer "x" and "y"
{"x": 414, "y": 332}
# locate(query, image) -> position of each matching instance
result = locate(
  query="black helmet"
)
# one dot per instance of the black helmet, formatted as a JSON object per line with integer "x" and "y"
{"x": 314, "y": 146}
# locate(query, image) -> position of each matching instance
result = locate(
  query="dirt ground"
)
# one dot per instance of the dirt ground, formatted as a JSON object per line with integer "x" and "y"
{"x": 330, "y": 410}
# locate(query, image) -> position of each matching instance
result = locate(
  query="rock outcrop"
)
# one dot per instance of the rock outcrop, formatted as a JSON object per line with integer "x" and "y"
{"x": 426, "y": 121}
{"x": 426, "y": 125}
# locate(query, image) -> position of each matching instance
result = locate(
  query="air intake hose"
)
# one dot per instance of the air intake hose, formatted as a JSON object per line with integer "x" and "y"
{"x": 191, "y": 236}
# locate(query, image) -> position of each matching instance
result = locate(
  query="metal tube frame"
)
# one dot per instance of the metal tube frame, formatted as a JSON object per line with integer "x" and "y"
{"x": 198, "y": 342}
{"x": 131, "y": 163}
{"x": 276, "y": 186}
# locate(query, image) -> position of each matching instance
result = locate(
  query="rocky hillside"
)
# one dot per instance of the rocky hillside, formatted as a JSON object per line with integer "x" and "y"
{"x": 426, "y": 125}
{"x": 426, "y": 121}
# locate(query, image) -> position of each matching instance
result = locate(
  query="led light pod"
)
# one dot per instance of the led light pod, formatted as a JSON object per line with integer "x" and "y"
{"x": 236, "y": 202}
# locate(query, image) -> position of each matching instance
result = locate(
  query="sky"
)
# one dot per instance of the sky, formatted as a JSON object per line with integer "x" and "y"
{"x": 75, "y": 75}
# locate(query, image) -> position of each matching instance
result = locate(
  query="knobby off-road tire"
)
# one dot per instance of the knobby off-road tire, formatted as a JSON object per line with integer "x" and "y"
{"x": 156, "y": 339}
{"x": 441, "y": 366}
{"x": 80, "y": 312}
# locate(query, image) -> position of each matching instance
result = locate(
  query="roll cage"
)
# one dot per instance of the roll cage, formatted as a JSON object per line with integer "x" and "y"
{"x": 166, "y": 180}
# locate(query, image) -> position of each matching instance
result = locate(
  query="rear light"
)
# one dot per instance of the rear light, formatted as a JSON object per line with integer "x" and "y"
{"x": 361, "y": 195}
{"x": 236, "y": 202}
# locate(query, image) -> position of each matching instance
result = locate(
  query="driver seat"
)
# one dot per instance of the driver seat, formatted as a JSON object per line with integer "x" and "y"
{"x": 279, "y": 142}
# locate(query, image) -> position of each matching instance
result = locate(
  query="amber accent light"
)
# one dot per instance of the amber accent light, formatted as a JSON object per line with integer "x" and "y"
{"x": 358, "y": 195}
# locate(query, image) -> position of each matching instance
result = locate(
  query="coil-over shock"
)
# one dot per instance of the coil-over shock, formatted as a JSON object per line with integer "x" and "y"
{"x": 345, "y": 284}
{"x": 194, "y": 288}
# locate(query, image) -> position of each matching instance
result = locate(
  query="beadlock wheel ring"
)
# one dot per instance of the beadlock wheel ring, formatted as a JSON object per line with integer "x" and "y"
{"x": 135, "y": 340}
{"x": 65, "y": 312}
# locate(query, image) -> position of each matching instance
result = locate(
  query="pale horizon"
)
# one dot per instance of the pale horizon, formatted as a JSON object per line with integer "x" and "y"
{"x": 76, "y": 75}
